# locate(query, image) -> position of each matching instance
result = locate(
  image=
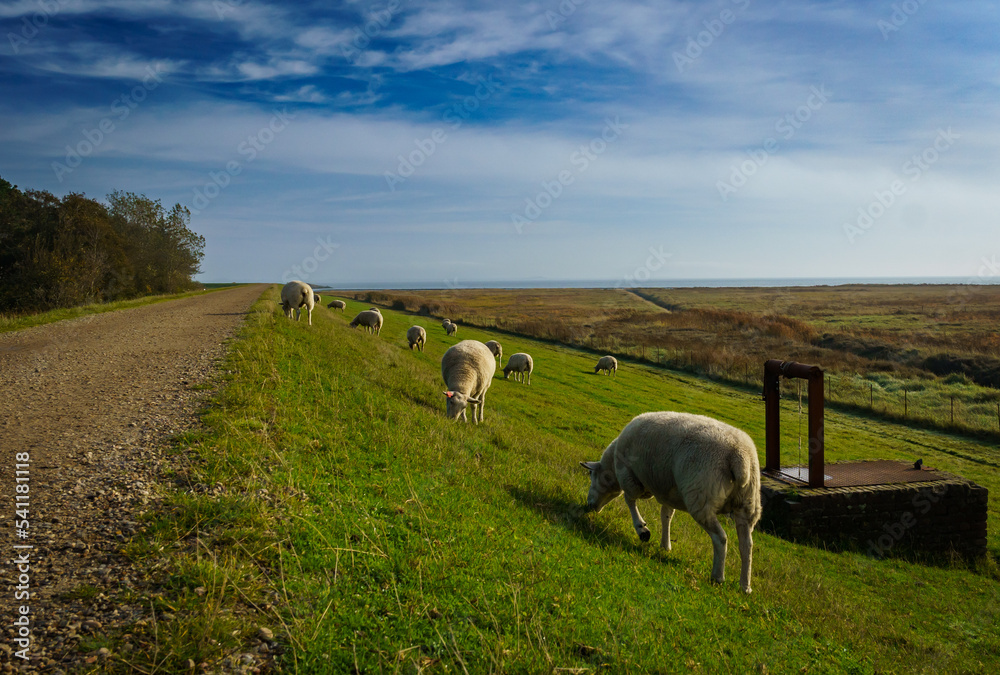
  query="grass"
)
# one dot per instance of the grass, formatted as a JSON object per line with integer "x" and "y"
{"x": 926, "y": 355}
{"x": 13, "y": 322}
{"x": 337, "y": 506}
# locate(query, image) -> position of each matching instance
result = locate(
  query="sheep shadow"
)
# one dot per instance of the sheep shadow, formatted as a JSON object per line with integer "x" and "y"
{"x": 574, "y": 516}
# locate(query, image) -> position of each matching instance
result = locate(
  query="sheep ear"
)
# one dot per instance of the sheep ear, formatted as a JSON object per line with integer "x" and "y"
{"x": 591, "y": 466}
{"x": 474, "y": 400}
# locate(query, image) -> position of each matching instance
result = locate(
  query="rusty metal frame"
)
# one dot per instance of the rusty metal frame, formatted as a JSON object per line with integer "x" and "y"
{"x": 774, "y": 370}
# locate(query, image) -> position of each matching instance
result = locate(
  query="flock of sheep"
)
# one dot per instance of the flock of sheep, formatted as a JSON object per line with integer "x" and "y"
{"x": 686, "y": 462}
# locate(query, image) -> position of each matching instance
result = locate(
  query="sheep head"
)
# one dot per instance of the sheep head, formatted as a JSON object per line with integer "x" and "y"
{"x": 457, "y": 403}
{"x": 603, "y": 485}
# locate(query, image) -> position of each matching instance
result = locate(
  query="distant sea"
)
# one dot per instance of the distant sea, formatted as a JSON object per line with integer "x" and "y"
{"x": 671, "y": 283}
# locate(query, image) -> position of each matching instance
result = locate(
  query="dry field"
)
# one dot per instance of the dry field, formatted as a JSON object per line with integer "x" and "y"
{"x": 923, "y": 353}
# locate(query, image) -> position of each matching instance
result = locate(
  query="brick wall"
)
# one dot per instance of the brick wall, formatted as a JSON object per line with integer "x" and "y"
{"x": 935, "y": 517}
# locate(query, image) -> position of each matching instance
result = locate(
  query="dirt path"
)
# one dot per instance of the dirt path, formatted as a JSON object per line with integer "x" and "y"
{"x": 92, "y": 402}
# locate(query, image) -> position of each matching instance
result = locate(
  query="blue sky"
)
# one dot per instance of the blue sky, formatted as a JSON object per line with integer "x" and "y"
{"x": 454, "y": 142}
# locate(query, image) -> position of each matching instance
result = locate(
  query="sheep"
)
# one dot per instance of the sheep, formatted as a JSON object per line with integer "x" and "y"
{"x": 688, "y": 462}
{"x": 497, "y": 350}
{"x": 467, "y": 368}
{"x": 296, "y": 295}
{"x": 416, "y": 336}
{"x": 451, "y": 328}
{"x": 372, "y": 321}
{"x": 445, "y": 322}
{"x": 316, "y": 299}
{"x": 338, "y": 304}
{"x": 607, "y": 363}
{"x": 519, "y": 364}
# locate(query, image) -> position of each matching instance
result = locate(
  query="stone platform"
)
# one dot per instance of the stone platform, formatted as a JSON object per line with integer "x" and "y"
{"x": 901, "y": 510}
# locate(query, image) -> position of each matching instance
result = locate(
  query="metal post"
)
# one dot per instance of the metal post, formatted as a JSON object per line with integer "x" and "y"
{"x": 772, "y": 415}
{"x": 773, "y": 371}
{"x": 817, "y": 463}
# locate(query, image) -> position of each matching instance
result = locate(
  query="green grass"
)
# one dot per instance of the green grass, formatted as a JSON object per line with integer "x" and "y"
{"x": 372, "y": 535}
{"x": 10, "y": 323}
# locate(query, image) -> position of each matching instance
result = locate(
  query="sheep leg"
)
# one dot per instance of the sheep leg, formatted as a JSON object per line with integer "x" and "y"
{"x": 744, "y": 532}
{"x": 666, "y": 515}
{"x": 710, "y": 523}
{"x": 482, "y": 406}
{"x": 632, "y": 490}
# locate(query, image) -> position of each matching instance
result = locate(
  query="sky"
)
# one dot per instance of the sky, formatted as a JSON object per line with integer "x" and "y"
{"x": 453, "y": 143}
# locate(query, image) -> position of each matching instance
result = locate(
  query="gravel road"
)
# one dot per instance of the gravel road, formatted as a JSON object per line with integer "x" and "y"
{"x": 93, "y": 402}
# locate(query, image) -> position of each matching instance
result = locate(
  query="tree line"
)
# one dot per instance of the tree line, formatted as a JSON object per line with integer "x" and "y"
{"x": 75, "y": 250}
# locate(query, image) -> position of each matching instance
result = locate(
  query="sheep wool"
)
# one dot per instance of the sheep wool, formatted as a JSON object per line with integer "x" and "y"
{"x": 416, "y": 336}
{"x": 296, "y": 295}
{"x": 497, "y": 350}
{"x": 369, "y": 319}
{"x": 688, "y": 462}
{"x": 521, "y": 365}
{"x": 467, "y": 368}
{"x": 609, "y": 364}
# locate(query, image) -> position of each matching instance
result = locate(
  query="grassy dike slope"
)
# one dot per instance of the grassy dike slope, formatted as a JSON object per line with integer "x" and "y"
{"x": 391, "y": 540}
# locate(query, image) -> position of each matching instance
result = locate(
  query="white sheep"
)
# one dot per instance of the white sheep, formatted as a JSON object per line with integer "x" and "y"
{"x": 451, "y": 328}
{"x": 416, "y": 336}
{"x": 338, "y": 304}
{"x": 296, "y": 295}
{"x": 497, "y": 350}
{"x": 467, "y": 368}
{"x": 608, "y": 364}
{"x": 371, "y": 320}
{"x": 445, "y": 322}
{"x": 688, "y": 462}
{"x": 520, "y": 364}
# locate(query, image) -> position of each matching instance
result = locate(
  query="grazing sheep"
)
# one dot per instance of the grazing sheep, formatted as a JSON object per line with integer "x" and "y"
{"x": 445, "y": 322}
{"x": 416, "y": 336}
{"x": 467, "y": 369}
{"x": 451, "y": 328}
{"x": 520, "y": 364}
{"x": 607, "y": 363}
{"x": 497, "y": 350}
{"x": 338, "y": 304}
{"x": 372, "y": 321}
{"x": 296, "y": 295}
{"x": 688, "y": 462}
